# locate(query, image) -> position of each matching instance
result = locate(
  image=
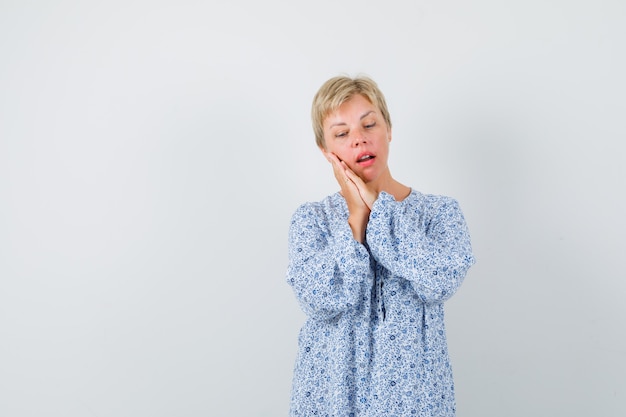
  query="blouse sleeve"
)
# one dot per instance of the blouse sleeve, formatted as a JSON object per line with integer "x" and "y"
{"x": 328, "y": 272}
{"x": 427, "y": 244}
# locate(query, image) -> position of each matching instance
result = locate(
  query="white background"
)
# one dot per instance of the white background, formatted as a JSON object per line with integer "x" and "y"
{"x": 152, "y": 153}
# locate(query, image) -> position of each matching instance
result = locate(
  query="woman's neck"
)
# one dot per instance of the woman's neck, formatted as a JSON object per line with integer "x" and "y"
{"x": 389, "y": 185}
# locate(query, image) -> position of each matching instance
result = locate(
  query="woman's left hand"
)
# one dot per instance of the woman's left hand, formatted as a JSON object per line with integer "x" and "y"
{"x": 359, "y": 210}
{"x": 368, "y": 195}
{"x": 349, "y": 188}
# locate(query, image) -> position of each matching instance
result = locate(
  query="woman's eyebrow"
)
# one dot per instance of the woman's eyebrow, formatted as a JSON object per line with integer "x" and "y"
{"x": 344, "y": 124}
{"x": 367, "y": 114}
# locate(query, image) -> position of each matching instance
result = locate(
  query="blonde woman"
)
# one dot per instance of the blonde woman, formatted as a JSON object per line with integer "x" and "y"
{"x": 372, "y": 266}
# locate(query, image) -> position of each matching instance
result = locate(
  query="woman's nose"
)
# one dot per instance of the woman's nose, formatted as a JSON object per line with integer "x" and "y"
{"x": 358, "y": 139}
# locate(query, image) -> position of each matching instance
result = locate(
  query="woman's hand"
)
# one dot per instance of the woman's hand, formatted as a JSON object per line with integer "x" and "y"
{"x": 368, "y": 195}
{"x": 358, "y": 197}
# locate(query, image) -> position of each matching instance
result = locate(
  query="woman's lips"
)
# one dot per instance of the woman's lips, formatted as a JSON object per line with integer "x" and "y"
{"x": 365, "y": 159}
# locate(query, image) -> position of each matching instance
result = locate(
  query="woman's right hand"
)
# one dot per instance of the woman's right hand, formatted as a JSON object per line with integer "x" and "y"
{"x": 358, "y": 209}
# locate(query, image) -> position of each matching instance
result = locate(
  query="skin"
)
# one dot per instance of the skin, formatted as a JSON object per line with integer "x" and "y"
{"x": 356, "y": 129}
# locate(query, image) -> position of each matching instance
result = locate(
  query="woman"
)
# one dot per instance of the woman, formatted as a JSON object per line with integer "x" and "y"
{"x": 371, "y": 266}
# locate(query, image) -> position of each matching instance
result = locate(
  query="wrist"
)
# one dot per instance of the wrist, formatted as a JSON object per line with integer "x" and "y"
{"x": 358, "y": 224}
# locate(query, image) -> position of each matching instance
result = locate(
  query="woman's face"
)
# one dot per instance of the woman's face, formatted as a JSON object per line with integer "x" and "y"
{"x": 357, "y": 133}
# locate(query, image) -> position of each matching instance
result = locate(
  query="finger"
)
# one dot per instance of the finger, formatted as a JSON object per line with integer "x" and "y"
{"x": 350, "y": 174}
{"x": 358, "y": 181}
{"x": 340, "y": 165}
{"x": 334, "y": 160}
{"x": 367, "y": 195}
{"x": 332, "y": 157}
{"x": 339, "y": 168}
{"x": 349, "y": 171}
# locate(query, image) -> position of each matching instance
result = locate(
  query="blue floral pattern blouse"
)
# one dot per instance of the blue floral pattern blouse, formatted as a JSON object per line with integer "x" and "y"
{"x": 374, "y": 341}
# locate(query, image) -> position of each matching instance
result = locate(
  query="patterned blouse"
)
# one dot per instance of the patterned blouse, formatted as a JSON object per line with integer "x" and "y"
{"x": 374, "y": 341}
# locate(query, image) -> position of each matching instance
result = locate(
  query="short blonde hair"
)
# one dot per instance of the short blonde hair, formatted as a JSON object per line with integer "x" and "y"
{"x": 336, "y": 91}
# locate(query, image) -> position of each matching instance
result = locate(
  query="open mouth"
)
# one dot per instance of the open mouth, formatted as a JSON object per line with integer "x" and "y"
{"x": 365, "y": 157}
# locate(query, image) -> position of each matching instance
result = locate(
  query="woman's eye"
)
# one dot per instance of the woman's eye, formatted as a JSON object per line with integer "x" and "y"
{"x": 341, "y": 134}
{"x": 370, "y": 125}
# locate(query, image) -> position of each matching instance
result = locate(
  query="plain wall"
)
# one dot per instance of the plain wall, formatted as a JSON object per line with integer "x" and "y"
{"x": 152, "y": 153}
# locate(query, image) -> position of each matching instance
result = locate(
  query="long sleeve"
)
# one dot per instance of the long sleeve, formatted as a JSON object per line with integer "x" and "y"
{"x": 425, "y": 241}
{"x": 328, "y": 270}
